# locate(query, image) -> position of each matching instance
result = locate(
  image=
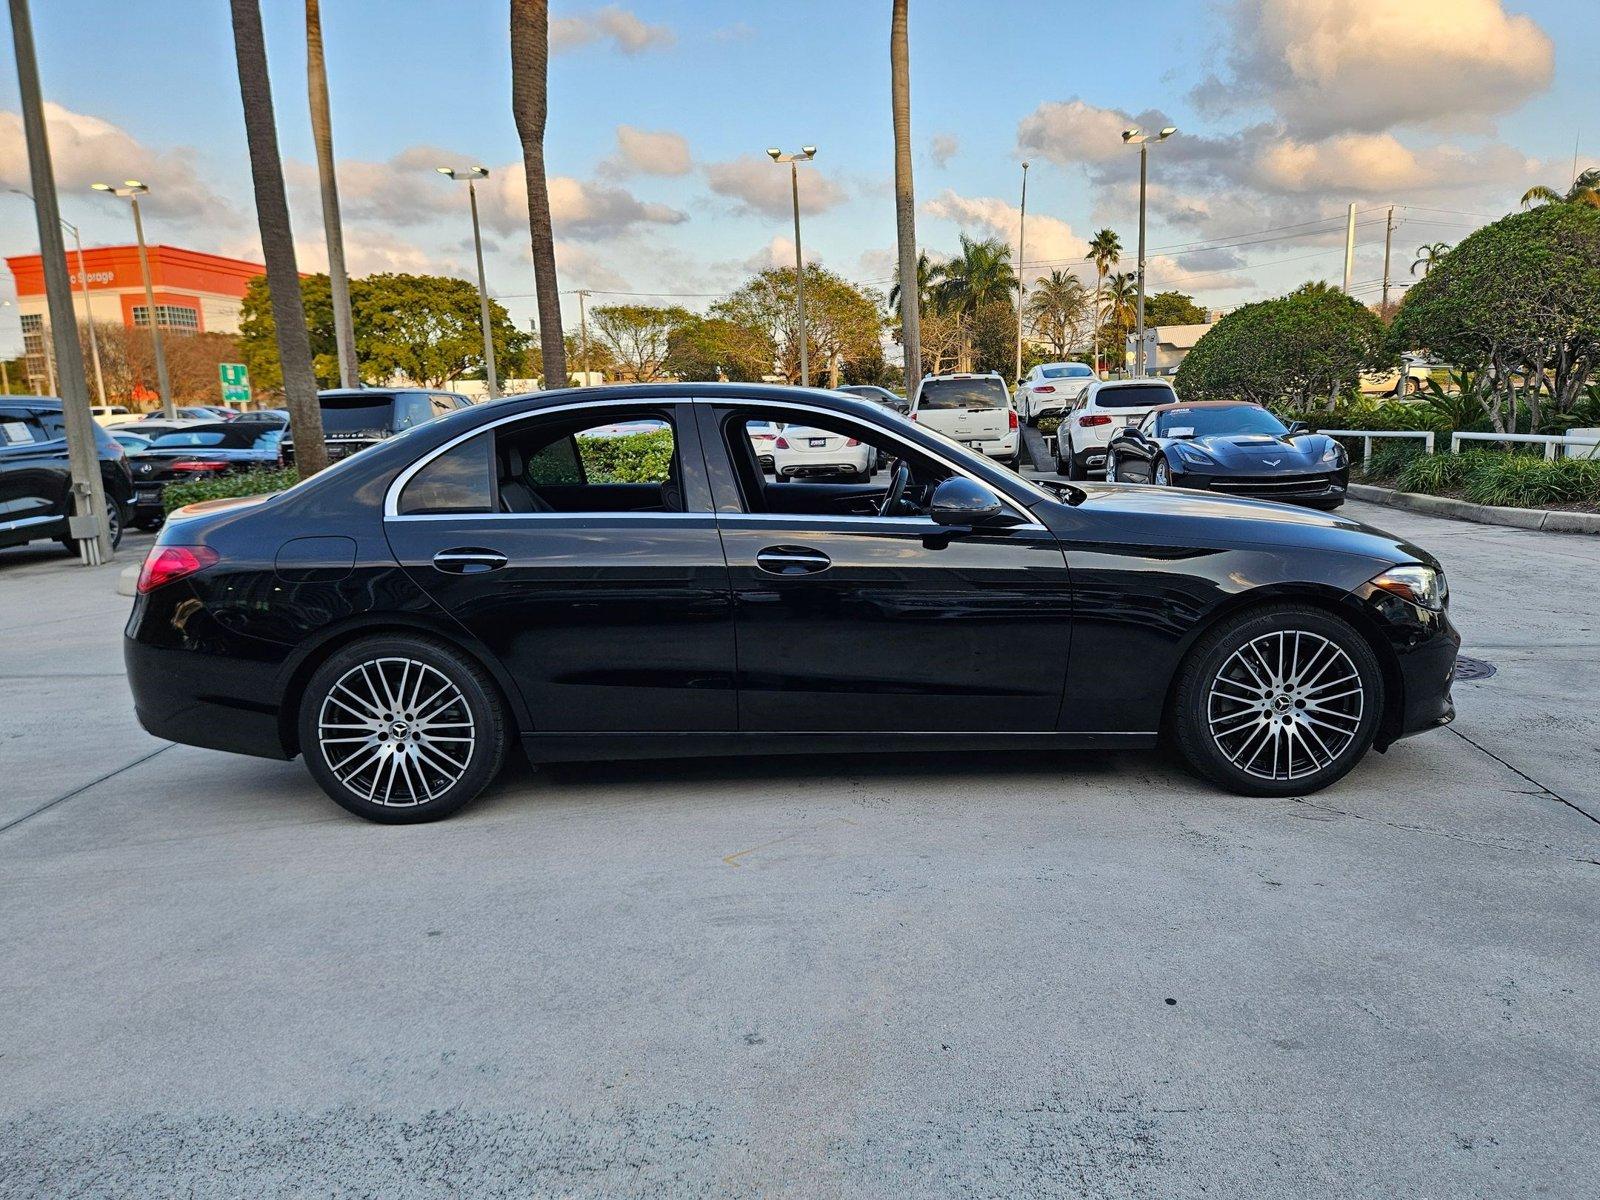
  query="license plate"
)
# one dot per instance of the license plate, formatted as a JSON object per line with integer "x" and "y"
{"x": 818, "y": 443}
{"x": 966, "y": 442}
{"x": 146, "y": 493}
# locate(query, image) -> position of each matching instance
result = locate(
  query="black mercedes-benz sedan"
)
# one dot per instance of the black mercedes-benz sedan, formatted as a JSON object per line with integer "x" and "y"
{"x": 1235, "y": 448}
{"x": 202, "y": 451}
{"x": 503, "y": 576}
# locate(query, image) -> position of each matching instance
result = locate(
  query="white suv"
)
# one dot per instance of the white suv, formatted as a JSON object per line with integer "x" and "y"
{"x": 1052, "y": 388}
{"x": 975, "y": 410}
{"x": 1106, "y": 407}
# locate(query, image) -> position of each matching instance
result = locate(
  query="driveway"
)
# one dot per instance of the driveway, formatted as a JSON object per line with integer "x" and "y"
{"x": 957, "y": 976}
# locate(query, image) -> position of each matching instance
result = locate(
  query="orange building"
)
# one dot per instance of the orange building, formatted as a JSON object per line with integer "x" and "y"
{"x": 195, "y": 293}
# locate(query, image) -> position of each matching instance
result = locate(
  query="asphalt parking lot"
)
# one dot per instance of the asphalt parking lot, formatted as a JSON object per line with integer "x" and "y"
{"x": 964, "y": 976}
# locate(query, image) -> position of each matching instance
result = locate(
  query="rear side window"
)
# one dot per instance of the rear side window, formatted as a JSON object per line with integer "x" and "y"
{"x": 461, "y": 480}
{"x": 19, "y": 429}
{"x": 358, "y": 414}
{"x": 411, "y": 410}
{"x": 962, "y": 393}
{"x": 1135, "y": 395}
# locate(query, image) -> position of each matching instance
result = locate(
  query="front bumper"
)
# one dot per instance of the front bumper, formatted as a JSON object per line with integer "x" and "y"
{"x": 1425, "y": 645}
{"x": 1318, "y": 487}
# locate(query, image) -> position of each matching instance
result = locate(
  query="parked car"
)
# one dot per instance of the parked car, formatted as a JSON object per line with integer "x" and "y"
{"x": 36, "y": 480}
{"x": 111, "y": 414}
{"x": 355, "y": 418}
{"x": 186, "y": 412}
{"x": 763, "y": 435}
{"x": 1049, "y": 389}
{"x": 403, "y": 617}
{"x": 806, "y": 452}
{"x": 1236, "y": 448}
{"x": 153, "y": 429}
{"x": 878, "y": 395}
{"x": 975, "y": 410}
{"x": 1107, "y": 405}
{"x": 200, "y": 452}
{"x": 1414, "y": 368}
{"x": 131, "y": 443}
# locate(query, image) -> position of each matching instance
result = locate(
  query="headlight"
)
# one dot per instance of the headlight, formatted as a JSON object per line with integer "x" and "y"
{"x": 1191, "y": 455}
{"x": 1334, "y": 453}
{"x": 1419, "y": 584}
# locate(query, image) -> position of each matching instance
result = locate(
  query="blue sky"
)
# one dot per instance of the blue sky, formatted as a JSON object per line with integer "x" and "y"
{"x": 1288, "y": 109}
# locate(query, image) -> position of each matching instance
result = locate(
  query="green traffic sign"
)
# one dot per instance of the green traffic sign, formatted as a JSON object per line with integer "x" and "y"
{"x": 235, "y": 383}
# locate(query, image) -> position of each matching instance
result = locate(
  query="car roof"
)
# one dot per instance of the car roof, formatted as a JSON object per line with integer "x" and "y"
{"x": 1109, "y": 383}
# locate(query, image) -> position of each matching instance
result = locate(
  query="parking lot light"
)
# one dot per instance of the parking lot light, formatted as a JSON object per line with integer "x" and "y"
{"x": 130, "y": 191}
{"x": 807, "y": 153}
{"x": 1138, "y": 137}
{"x": 472, "y": 175}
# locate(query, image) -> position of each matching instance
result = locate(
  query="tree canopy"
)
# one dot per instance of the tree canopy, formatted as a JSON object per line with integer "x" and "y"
{"x": 719, "y": 348}
{"x": 638, "y": 336}
{"x": 1304, "y": 346}
{"x": 844, "y": 324}
{"x": 1172, "y": 308}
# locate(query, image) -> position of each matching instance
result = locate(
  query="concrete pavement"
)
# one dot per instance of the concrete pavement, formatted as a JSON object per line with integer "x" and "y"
{"x": 964, "y": 976}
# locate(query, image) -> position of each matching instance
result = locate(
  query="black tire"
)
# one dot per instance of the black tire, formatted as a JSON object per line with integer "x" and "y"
{"x": 1075, "y": 469}
{"x": 1201, "y": 703}
{"x": 1156, "y": 464}
{"x": 475, "y": 709}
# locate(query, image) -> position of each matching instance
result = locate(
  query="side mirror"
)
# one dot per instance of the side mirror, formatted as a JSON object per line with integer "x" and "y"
{"x": 960, "y": 501}
{"x": 1298, "y": 427}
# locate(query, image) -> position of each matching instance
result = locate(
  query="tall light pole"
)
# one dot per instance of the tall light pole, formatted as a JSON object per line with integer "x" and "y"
{"x": 87, "y": 523}
{"x": 1022, "y": 287}
{"x": 583, "y": 337}
{"x": 88, "y": 312}
{"x": 1349, "y": 246}
{"x": 807, "y": 153}
{"x": 130, "y": 191}
{"x": 1138, "y": 137}
{"x": 472, "y": 175}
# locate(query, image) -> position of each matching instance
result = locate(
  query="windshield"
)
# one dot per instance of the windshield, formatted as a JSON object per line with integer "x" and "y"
{"x": 962, "y": 393}
{"x": 1135, "y": 395}
{"x": 1067, "y": 371}
{"x": 356, "y": 414}
{"x": 1210, "y": 422}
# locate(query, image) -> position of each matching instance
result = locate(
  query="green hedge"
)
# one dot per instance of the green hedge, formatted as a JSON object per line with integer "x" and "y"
{"x": 631, "y": 458}
{"x": 244, "y": 483}
{"x": 1498, "y": 478}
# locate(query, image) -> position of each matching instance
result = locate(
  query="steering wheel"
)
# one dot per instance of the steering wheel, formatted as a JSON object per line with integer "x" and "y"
{"x": 897, "y": 488}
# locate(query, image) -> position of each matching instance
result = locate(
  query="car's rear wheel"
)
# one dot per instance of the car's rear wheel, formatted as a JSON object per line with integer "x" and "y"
{"x": 1075, "y": 469}
{"x": 400, "y": 730}
{"x": 1279, "y": 701}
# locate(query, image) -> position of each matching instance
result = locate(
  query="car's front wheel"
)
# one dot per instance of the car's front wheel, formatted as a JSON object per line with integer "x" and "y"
{"x": 401, "y": 729}
{"x": 1278, "y": 701}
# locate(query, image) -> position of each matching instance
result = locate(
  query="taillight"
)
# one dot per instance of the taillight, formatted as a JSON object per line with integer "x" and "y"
{"x": 1011, "y": 417}
{"x": 781, "y": 443}
{"x": 187, "y": 465}
{"x": 1094, "y": 419}
{"x": 1043, "y": 387}
{"x": 167, "y": 563}
{"x": 851, "y": 442}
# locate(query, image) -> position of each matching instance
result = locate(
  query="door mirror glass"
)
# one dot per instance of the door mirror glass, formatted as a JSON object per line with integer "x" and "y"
{"x": 961, "y": 501}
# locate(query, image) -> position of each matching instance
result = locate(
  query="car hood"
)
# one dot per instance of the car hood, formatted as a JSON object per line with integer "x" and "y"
{"x": 1260, "y": 453}
{"x": 1150, "y": 515}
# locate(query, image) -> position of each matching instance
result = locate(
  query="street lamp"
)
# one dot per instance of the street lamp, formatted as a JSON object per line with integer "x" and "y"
{"x": 1022, "y": 287}
{"x": 807, "y": 153}
{"x": 88, "y": 312}
{"x": 130, "y": 191}
{"x": 1138, "y": 137}
{"x": 472, "y": 175}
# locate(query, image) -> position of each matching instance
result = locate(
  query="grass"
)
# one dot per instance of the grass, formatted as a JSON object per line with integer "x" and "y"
{"x": 1494, "y": 478}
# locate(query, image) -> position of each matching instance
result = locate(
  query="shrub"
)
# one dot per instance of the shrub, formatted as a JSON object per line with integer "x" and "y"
{"x": 631, "y": 458}
{"x": 1436, "y": 473}
{"x": 243, "y": 483}
{"x": 1389, "y": 459}
{"x": 1521, "y": 481}
{"x": 1049, "y": 424}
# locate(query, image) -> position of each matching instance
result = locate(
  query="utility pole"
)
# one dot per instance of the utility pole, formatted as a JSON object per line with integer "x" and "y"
{"x": 807, "y": 153}
{"x": 1022, "y": 234}
{"x": 471, "y": 175}
{"x": 130, "y": 191}
{"x": 583, "y": 339}
{"x": 1388, "y": 239}
{"x": 1138, "y": 137}
{"x": 87, "y": 524}
{"x": 1349, "y": 246}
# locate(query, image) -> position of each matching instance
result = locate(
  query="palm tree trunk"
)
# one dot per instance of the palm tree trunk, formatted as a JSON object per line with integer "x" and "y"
{"x": 905, "y": 207}
{"x": 530, "y": 71}
{"x": 277, "y": 239}
{"x": 322, "y": 134}
{"x": 1094, "y": 341}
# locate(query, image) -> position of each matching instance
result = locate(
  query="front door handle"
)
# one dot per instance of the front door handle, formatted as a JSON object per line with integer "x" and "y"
{"x": 792, "y": 560}
{"x": 468, "y": 560}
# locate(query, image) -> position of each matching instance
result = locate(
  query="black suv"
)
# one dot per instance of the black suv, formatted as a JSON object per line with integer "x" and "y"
{"x": 35, "y": 480}
{"x": 355, "y": 418}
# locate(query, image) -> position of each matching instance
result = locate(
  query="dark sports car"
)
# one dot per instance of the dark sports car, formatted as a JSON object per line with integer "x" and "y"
{"x": 199, "y": 452}
{"x": 1238, "y": 449}
{"x": 487, "y": 579}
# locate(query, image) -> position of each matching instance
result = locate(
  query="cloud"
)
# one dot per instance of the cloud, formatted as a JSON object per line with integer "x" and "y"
{"x": 778, "y": 252}
{"x": 1072, "y": 132}
{"x": 626, "y": 32}
{"x": 85, "y": 149}
{"x": 1050, "y": 239}
{"x": 942, "y": 148}
{"x": 403, "y": 190}
{"x": 1379, "y": 164}
{"x": 648, "y": 152}
{"x": 579, "y": 211}
{"x": 762, "y": 186}
{"x": 1327, "y": 66}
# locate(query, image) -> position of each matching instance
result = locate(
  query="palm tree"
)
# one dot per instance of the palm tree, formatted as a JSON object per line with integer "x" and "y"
{"x": 277, "y": 239}
{"x": 1122, "y": 300}
{"x": 1585, "y": 190}
{"x": 905, "y": 208}
{"x": 530, "y": 72}
{"x": 1055, "y": 309}
{"x": 1428, "y": 257}
{"x": 1105, "y": 248}
{"x": 344, "y": 337}
{"x": 925, "y": 276}
{"x": 980, "y": 275}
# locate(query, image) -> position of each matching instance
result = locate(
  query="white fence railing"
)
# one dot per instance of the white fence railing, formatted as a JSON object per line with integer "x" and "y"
{"x": 1550, "y": 441}
{"x": 1366, "y": 436}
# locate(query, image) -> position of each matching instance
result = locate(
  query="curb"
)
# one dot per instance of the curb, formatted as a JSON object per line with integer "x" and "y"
{"x": 128, "y": 580}
{"x": 1483, "y": 514}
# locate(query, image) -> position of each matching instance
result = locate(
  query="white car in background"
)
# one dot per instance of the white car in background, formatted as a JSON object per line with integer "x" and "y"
{"x": 763, "y": 436}
{"x": 801, "y": 452}
{"x": 1052, "y": 388}
{"x": 111, "y": 414}
{"x": 1106, "y": 407}
{"x": 973, "y": 409}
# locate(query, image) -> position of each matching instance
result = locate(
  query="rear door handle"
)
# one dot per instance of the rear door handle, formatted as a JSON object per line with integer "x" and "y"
{"x": 792, "y": 560}
{"x": 468, "y": 561}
